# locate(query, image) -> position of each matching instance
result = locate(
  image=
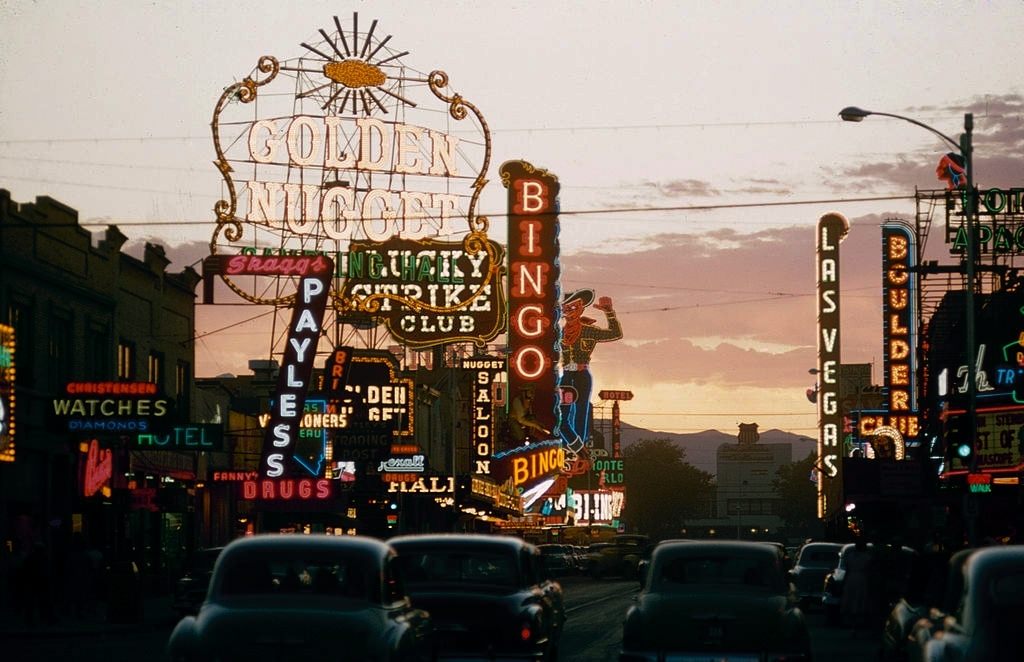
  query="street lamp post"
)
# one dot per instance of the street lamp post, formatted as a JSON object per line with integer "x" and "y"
{"x": 966, "y": 148}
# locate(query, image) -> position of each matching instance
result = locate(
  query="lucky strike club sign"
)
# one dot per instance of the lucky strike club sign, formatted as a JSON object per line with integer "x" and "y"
{"x": 348, "y": 143}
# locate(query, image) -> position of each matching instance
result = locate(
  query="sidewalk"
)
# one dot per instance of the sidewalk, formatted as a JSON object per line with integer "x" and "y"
{"x": 156, "y": 614}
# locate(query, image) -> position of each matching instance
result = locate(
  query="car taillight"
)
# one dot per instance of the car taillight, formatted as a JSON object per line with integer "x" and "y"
{"x": 525, "y": 632}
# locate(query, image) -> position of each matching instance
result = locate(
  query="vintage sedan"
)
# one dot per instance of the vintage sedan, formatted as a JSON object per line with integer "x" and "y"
{"x": 705, "y": 600}
{"x": 304, "y": 597}
{"x": 813, "y": 562}
{"x": 489, "y": 596}
{"x": 190, "y": 589}
{"x": 986, "y": 626}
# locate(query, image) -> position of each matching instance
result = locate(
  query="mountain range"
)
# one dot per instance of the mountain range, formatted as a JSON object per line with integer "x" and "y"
{"x": 701, "y": 447}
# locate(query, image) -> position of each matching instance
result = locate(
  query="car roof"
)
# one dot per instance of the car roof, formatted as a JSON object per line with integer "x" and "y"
{"x": 480, "y": 540}
{"x": 671, "y": 549}
{"x": 270, "y": 543}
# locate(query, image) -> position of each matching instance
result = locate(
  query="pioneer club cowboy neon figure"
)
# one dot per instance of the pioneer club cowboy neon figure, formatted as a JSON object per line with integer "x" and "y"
{"x": 580, "y": 336}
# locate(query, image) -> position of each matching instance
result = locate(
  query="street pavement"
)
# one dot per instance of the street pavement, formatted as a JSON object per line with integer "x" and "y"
{"x": 157, "y": 612}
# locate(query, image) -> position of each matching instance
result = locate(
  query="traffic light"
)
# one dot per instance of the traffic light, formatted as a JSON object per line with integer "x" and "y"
{"x": 958, "y": 440}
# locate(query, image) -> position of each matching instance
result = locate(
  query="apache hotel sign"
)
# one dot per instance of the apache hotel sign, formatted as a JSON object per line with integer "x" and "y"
{"x": 347, "y": 157}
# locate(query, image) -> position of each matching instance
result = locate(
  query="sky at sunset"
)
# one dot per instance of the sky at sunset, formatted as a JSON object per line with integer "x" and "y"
{"x": 696, "y": 144}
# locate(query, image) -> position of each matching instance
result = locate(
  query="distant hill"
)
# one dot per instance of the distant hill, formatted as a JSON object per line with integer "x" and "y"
{"x": 701, "y": 446}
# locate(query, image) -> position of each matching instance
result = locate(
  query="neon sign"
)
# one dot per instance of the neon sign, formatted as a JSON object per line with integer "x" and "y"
{"x": 304, "y": 330}
{"x": 831, "y": 230}
{"x": 97, "y": 468}
{"x": 326, "y": 162}
{"x": 111, "y": 406}
{"x": 534, "y": 293}
{"x": 429, "y": 292}
{"x": 201, "y": 437}
{"x": 528, "y": 465}
{"x": 485, "y": 371}
{"x": 1004, "y": 232}
{"x": 287, "y": 489}
{"x": 7, "y": 394}
{"x": 899, "y": 327}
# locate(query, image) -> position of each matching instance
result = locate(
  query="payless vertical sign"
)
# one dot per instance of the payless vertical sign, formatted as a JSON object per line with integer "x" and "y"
{"x": 314, "y": 274}
{"x": 534, "y": 335}
{"x": 832, "y": 228}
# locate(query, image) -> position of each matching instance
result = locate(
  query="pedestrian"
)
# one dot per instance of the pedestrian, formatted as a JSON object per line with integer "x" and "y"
{"x": 855, "y": 605}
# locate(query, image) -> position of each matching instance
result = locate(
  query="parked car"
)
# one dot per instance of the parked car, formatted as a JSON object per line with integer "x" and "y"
{"x": 814, "y": 560}
{"x": 986, "y": 626}
{"x": 488, "y": 595}
{"x": 190, "y": 589}
{"x": 892, "y": 567}
{"x": 706, "y": 600}
{"x": 559, "y": 560}
{"x": 304, "y": 597}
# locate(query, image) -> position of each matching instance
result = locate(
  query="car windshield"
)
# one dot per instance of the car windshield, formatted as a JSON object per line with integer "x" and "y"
{"x": 457, "y": 567}
{"x": 720, "y": 570}
{"x": 289, "y": 572}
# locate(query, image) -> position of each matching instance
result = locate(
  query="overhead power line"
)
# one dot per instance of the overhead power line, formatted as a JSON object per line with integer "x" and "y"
{"x": 563, "y": 212}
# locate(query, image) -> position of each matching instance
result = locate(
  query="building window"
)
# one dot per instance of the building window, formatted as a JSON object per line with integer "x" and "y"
{"x": 125, "y": 360}
{"x": 19, "y": 316}
{"x": 97, "y": 353}
{"x": 183, "y": 388}
{"x": 155, "y": 369}
{"x": 58, "y": 349}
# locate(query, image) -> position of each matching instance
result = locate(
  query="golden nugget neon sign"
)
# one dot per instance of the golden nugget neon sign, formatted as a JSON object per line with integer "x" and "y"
{"x": 322, "y": 160}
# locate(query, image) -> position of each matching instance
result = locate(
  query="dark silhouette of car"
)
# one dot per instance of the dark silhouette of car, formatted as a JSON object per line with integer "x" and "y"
{"x": 813, "y": 562}
{"x": 620, "y": 556}
{"x": 190, "y": 589}
{"x": 489, "y": 596}
{"x": 706, "y": 600}
{"x": 932, "y": 594}
{"x": 559, "y": 559}
{"x": 304, "y": 597}
{"x": 986, "y": 624}
{"x": 891, "y": 567}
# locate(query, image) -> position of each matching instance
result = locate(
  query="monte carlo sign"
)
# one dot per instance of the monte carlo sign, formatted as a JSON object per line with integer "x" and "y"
{"x": 348, "y": 152}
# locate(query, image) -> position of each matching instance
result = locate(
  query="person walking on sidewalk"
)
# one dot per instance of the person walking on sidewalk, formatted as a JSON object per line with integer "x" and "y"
{"x": 855, "y": 606}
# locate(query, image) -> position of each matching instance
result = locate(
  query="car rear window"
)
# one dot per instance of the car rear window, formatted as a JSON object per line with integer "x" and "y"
{"x": 458, "y": 567}
{"x": 330, "y": 576}
{"x": 709, "y": 570}
{"x": 819, "y": 558}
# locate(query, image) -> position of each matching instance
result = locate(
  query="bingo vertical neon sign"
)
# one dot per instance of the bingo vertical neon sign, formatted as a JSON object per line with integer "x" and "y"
{"x": 533, "y": 285}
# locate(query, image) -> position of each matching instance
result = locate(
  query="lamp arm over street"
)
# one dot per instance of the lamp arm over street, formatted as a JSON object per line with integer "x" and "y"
{"x": 966, "y": 148}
